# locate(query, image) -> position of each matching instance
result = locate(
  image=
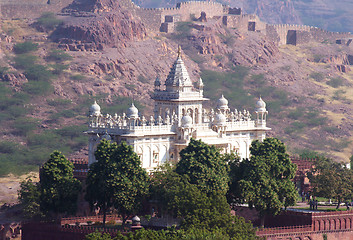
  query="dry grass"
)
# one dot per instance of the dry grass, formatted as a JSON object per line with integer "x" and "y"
{"x": 10, "y": 184}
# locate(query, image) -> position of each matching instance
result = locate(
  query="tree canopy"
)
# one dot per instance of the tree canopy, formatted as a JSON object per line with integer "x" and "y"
{"x": 100, "y": 178}
{"x": 331, "y": 180}
{"x": 59, "y": 189}
{"x": 204, "y": 165}
{"x": 29, "y": 197}
{"x": 267, "y": 177}
{"x": 116, "y": 179}
{"x": 198, "y": 209}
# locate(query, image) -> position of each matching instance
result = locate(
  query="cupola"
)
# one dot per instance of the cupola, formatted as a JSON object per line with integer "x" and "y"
{"x": 132, "y": 112}
{"x": 95, "y": 109}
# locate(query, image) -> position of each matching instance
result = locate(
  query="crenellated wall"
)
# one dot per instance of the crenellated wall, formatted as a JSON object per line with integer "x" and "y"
{"x": 154, "y": 18}
{"x": 299, "y": 34}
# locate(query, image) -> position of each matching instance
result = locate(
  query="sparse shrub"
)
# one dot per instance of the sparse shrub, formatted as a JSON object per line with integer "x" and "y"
{"x": 47, "y": 22}
{"x": 68, "y": 113}
{"x": 59, "y": 102}
{"x": 338, "y": 95}
{"x": 37, "y": 88}
{"x": 282, "y": 96}
{"x": 9, "y": 147}
{"x": 331, "y": 130}
{"x": 219, "y": 58}
{"x": 59, "y": 68}
{"x": 335, "y": 82}
{"x": 339, "y": 144}
{"x": 109, "y": 77}
{"x": 294, "y": 127}
{"x": 142, "y": 79}
{"x": 25, "y": 61}
{"x": 183, "y": 29}
{"x": 3, "y": 70}
{"x": 71, "y": 131}
{"x": 38, "y": 72}
{"x": 318, "y": 121}
{"x": 25, "y": 47}
{"x": 58, "y": 56}
{"x": 16, "y": 111}
{"x": 317, "y": 57}
{"x": 77, "y": 77}
{"x": 227, "y": 39}
{"x": 296, "y": 114}
{"x": 23, "y": 126}
{"x": 298, "y": 125}
{"x": 286, "y": 68}
{"x": 130, "y": 87}
{"x": 229, "y": 83}
{"x": 319, "y": 77}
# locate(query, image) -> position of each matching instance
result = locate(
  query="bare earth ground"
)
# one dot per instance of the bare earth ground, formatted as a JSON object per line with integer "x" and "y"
{"x": 11, "y": 184}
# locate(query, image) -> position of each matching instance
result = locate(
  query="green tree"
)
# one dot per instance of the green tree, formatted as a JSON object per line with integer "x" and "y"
{"x": 100, "y": 178}
{"x": 29, "y": 197}
{"x": 267, "y": 178}
{"x": 331, "y": 180}
{"x": 59, "y": 189}
{"x": 131, "y": 181}
{"x": 205, "y": 166}
{"x": 197, "y": 209}
{"x": 236, "y": 169}
{"x": 116, "y": 179}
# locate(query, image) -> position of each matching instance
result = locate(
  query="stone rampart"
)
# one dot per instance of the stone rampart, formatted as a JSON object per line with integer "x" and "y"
{"x": 154, "y": 18}
{"x": 299, "y": 34}
{"x": 244, "y": 23}
{"x": 151, "y": 17}
{"x": 194, "y": 8}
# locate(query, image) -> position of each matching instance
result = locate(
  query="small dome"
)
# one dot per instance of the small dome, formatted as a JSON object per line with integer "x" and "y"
{"x": 95, "y": 109}
{"x": 222, "y": 103}
{"x": 136, "y": 219}
{"x": 220, "y": 119}
{"x": 260, "y": 105}
{"x": 186, "y": 121}
{"x": 132, "y": 112}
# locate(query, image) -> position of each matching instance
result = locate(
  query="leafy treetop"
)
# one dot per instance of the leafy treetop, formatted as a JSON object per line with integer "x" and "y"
{"x": 204, "y": 165}
{"x": 59, "y": 190}
{"x": 331, "y": 180}
{"x": 267, "y": 177}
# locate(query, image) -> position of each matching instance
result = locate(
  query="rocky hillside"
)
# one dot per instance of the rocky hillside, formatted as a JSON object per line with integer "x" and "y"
{"x": 51, "y": 73}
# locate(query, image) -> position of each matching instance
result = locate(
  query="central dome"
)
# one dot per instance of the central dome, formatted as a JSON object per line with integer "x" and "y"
{"x": 222, "y": 103}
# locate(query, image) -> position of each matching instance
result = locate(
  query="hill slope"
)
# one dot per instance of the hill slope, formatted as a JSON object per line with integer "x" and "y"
{"x": 110, "y": 56}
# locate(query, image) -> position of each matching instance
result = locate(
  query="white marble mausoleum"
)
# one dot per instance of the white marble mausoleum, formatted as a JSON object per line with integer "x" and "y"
{"x": 178, "y": 117}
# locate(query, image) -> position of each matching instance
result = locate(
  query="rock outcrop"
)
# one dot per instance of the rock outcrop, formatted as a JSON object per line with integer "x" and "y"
{"x": 96, "y": 24}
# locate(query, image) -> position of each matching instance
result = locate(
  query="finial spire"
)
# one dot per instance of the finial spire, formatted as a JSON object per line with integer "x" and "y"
{"x": 179, "y": 51}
